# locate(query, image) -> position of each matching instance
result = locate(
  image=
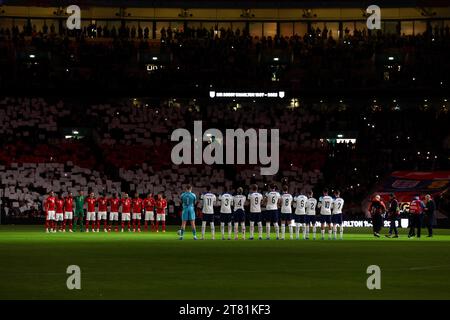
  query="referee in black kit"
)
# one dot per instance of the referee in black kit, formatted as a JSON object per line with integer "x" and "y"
{"x": 430, "y": 207}
{"x": 392, "y": 215}
{"x": 376, "y": 210}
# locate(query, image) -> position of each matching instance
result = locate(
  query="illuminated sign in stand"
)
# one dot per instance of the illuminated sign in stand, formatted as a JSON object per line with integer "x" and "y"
{"x": 217, "y": 94}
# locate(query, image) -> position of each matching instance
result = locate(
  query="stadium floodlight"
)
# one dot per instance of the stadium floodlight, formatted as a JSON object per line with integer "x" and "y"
{"x": 32, "y": 56}
{"x": 75, "y": 132}
{"x": 340, "y": 135}
{"x": 276, "y": 59}
{"x": 391, "y": 58}
{"x": 154, "y": 58}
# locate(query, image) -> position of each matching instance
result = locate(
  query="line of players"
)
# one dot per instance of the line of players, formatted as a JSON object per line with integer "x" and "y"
{"x": 68, "y": 211}
{"x": 278, "y": 208}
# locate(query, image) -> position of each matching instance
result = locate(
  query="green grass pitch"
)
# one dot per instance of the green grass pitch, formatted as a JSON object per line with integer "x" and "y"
{"x": 158, "y": 266}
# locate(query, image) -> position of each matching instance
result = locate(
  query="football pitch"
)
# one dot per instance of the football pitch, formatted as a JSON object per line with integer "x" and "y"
{"x": 158, "y": 266}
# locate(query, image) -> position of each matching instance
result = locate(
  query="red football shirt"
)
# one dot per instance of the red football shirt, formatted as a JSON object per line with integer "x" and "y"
{"x": 102, "y": 204}
{"x": 149, "y": 204}
{"x": 50, "y": 204}
{"x": 59, "y": 205}
{"x": 161, "y": 205}
{"x": 115, "y": 203}
{"x": 91, "y": 204}
{"x": 68, "y": 204}
{"x": 126, "y": 205}
{"x": 137, "y": 205}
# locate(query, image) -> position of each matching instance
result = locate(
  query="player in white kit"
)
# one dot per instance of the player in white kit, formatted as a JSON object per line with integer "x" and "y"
{"x": 208, "y": 201}
{"x": 325, "y": 203}
{"x": 300, "y": 215}
{"x": 286, "y": 212}
{"x": 255, "y": 199}
{"x": 310, "y": 217}
{"x": 271, "y": 215}
{"x": 336, "y": 216}
{"x": 239, "y": 213}
{"x": 226, "y": 201}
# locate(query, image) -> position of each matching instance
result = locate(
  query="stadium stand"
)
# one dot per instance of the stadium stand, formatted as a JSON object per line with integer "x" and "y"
{"x": 127, "y": 145}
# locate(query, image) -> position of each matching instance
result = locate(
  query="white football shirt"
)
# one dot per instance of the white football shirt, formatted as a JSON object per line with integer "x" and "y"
{"x": 272, "y": 200}
{"x": 226, "y": 201}
{"x": 338, "y": 203}
{"x": 325, "y": 205}
{"x": 239, "y": 201}
{"x": 286, "y": 203}
{"x": 255, "y": 201}
{"x": 300, "y": 202}
{"x": 311, "y": 204}
{"x": 208, "y": 203}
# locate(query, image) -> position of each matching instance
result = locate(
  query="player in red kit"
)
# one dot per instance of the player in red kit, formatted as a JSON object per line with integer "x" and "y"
{"x": 149, "y": 205}
{"x": 91, "y": 202}
{"x": 114, "y": 203}
{"x": 59, "y": 215}
{"x": 102, "y": 212}
{"x": 68, "y": 212}
{"x": 126, "y": 209}
{"x": 137, "y": 212}
{"x": 161, "y": 206}
{"x": 49, "y": 207}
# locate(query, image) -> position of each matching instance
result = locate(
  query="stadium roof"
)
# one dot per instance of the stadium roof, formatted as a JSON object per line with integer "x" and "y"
{"x": 231, "y": 3}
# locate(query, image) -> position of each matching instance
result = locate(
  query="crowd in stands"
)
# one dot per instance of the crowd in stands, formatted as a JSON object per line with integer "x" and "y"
{"x": 201, "y": 57}
{"x": 127, "y": 147}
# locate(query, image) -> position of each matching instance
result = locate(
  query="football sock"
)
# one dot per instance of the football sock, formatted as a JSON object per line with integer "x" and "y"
{"x": 252, "y": 228}
{"x": 305, "y": 229}
{"x": 291, "y": 236}
{"x": 283, "y": 230}
{"x": 314, "y": 231}
{"x": 222, "y": 229}
{"x": 260, "y": 229}
{"x": 322, "y": 233}
{"x": 297, "y": 230}
{"x": 229, "y": 229}
{"x": 213, "y": 230}
{"x": 203, "y": 229}
{"x": 277, "y": 229}
{"x": 341, "y": 229}
{"x": 329, "y": 233}
{"x": 268, "y": 229}
{"x": 243, "y": 230}
{"x": 236, "y": 229}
